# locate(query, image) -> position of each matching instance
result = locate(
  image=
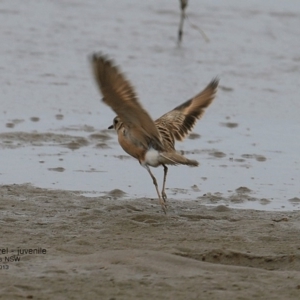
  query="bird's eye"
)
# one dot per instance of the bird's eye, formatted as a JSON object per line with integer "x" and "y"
{"x": 116, "y": 121}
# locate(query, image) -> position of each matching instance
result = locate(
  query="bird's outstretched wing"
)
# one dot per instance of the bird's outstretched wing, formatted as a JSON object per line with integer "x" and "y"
{"x": 180, "y": 121}
{"x": 119, "y": 94}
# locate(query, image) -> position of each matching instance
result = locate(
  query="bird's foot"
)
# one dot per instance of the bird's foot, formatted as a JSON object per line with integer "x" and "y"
{"x": 164, "y": 196}
{"x": 162, "y": 202}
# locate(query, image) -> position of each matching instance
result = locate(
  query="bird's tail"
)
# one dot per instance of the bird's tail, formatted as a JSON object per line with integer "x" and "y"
{"x": 175, "y": 158}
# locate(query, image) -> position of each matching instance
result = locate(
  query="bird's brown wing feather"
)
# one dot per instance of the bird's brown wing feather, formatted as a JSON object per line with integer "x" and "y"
{"x": 120, "y": 96}
{"x": 179, "y": 122}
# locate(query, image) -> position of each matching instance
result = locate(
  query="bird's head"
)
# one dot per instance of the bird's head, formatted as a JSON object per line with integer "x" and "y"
{"x": 116, "y": 123}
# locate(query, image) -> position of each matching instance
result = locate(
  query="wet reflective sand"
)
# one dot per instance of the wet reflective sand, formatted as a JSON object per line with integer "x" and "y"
{"x": 248, "y": 137}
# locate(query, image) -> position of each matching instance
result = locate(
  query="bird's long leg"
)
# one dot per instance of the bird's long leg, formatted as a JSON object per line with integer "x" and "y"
{"x": 183, "y": 5}
{"x": 163, "y": 193}
{"x": 161, "y": 201}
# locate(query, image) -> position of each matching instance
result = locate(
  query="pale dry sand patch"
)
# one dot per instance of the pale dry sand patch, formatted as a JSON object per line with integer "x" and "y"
{"x": 114, "y": 248}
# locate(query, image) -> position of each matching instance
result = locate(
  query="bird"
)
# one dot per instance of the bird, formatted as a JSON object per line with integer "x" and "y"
{"x": 151, "y": 142}
{"x": 183, "y": 5}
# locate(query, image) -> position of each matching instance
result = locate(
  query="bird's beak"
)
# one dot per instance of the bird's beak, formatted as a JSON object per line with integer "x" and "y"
{"x": 111, "y": 127}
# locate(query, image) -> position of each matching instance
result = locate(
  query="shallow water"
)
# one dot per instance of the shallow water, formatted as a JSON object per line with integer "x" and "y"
{"x": 249, "y": 136}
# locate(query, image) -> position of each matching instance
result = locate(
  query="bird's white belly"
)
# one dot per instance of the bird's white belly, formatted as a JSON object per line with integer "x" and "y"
{"x": 152, "y": 158}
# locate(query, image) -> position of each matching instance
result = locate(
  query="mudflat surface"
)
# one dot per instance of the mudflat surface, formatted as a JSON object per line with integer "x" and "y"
{"x": 110, "y": 248}
{"x": 69, "y": 190}
{"x": 52, "y": 120}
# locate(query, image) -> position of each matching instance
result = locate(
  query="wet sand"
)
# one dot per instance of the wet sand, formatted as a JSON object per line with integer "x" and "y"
{"x": 52, "y": 119}
{"x": 111, "y": 248}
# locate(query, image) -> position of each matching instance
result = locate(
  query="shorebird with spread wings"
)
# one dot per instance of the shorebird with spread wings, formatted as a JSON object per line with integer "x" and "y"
{"x": 152, "y": 143}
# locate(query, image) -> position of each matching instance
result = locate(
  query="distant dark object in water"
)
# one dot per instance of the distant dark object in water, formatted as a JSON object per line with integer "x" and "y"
{"x": 183, "y": 5}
